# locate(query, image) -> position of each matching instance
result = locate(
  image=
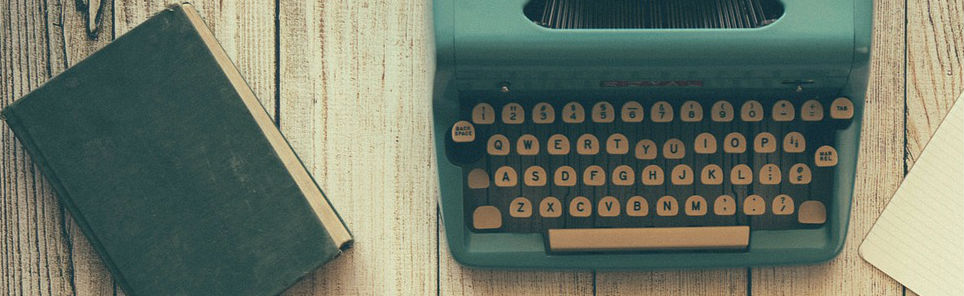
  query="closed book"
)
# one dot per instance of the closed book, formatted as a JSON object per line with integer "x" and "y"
{"x": 172, "y": 168}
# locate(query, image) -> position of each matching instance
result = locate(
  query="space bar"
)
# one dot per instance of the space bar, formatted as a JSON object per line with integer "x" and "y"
{"x": 648, "y": 239}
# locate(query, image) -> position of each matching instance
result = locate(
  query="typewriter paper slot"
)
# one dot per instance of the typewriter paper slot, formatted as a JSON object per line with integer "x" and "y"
{"x": 653, "y": 14}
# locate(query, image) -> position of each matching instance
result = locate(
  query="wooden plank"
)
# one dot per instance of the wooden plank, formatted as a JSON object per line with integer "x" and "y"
{"x": 935, "y": 42}
{"x": 455, "y": 279}
{"x": 684, "y": 282}
{"x": 355, "y": 99}
{"x": 44, "y": 251}
{"x": 879, "y": 172}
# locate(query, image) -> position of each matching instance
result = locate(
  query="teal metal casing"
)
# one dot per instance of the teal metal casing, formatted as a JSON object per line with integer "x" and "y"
{"x": 821, "y": 45}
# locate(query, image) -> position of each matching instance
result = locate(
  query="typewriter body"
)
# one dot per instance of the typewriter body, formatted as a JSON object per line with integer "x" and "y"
{"x": 648, "y": 134}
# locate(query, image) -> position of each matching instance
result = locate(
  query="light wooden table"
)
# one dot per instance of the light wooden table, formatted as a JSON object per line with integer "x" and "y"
{"x": 350, "y": 84}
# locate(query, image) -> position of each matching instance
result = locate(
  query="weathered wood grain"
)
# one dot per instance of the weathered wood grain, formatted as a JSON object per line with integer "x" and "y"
{"x": 355, "y": 104}
{"x": 880, "y": 169}
{"x": 456, "y": 279}
{"x": 935, "y": 62}
{"x": 56, "y": 259}
{"x": 350, "y": 81}
{"x": 686, "y": 282}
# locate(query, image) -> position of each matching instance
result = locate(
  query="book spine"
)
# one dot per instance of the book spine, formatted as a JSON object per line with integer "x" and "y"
{"x": 9, "y": 115}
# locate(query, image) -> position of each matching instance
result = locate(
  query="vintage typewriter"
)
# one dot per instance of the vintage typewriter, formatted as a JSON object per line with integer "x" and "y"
{"x": 648, "y": 133}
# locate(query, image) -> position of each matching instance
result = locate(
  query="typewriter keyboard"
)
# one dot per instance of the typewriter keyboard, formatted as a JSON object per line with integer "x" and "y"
{"x": 647, "y": 174}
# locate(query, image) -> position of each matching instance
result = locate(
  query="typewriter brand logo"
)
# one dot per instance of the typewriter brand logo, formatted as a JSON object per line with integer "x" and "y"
{"x": 652, "y": 83}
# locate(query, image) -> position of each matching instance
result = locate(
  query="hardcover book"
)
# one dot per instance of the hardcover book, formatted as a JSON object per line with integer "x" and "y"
{"x": 173, "y": 169}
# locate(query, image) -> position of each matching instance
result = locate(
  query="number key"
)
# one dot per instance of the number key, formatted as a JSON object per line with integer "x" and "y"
{"x": 512, "y": 114}
{"x": 691, "y": 111}
{"x": 662, "y": 112}
{"x": 603, "y": 112}
{"x": 483, "y": 114}
{"x": 751, "y": 111}
{"x": 632, "y": 112}
{"x": 543, "y": 113}
{"x": 573, "y": 113}
{"x": 722, "y": 111}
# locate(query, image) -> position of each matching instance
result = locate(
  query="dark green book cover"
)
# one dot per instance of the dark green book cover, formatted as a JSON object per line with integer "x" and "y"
{"x": 174, "y": 170}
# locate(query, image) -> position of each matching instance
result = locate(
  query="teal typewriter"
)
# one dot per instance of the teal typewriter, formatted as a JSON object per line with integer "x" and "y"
{"x": 650, "y": 133}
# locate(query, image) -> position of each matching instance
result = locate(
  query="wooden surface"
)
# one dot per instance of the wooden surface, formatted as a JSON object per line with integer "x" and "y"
{"x": 349, "y": 83}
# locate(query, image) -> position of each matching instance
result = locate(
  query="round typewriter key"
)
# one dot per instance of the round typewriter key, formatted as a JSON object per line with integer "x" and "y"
{"x": 711, "y": 175}
{"x": 691, "y": 111}
{"x": 632, "y": 112}
{"x": 646, "y": 149}
{"x": 483, "y": 114}
{"x": 842, "y": 108}
{"x": 637, "y": 206}
{"x": 741, "y": 175}
{"x": 486, "y": 217}
{"x": 667, "y": 206}
{"x": 682, "y": 175}
{"x": 603, "y": 112}
{"x": 782, "y": 205}
{"x": 587, "y": 144}
{"x": 617, "y": 144}
{"x": 573, "y": 113}
{"x": 608, "y": 207}
{"x": 478, "y": 179}
{"x": 705, "y": 143}
{"x": 734, "y": 143}
{"x": 543, "y": 113}
{"x": 652, "y": 175}
{"x": 498, "y": 145}
{"x": 722, "y": 111}
{"x": 557, "y": 145}
{"x": 534, "y": 176}
{"x": 623, "y": 176}
{"x": 794, "y": 142}
{"x": 505, "y": 176}
{"x": 754, "y": 205}
{"x": 695, "y": 206}
{"x": 811, "y": 110}
{"x": 463, "y": 132}
{"x": 662, "y": 111}
{"x": 512, "y": 113}
{"x": 783, "y": 111}
{"x": 520, "y": 207}
{"x": 812, "y": 212}
{"x": 800, "y": 174}
{"x": 565, "y": 176}
{"x": 580, "y": 207}
{"x": 674, "y": 149}
{"x": 550, "y": 207}
{"x": 751, "y": 111}
{"x": 825, "y": 156}
{"x": 770, "y": 174}
{"x": 764, "y": 143}
{"x": 724, "y": 205}
{"x": 594, "y": 175}
{"x": 527, "y": 145}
